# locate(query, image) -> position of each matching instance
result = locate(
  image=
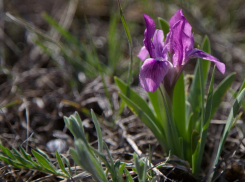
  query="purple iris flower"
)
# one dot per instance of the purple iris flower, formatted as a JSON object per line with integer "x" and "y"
{"x": 168, "y": 59}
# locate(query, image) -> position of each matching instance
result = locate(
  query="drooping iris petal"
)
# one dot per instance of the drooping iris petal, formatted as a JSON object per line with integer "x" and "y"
{"x": 152, "y": 73}
{"x": 179, "y": 16}
{"x": 176, "y": 46}
{"x": 158, "y": 42}
{"x": 149, "y": 32}
{"x": 206, "y": 56}
{"x": 143, "y": 53}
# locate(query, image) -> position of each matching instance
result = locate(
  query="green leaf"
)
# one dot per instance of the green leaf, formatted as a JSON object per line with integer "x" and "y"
{"x": 124, "y": 24}
{"x": 79, "y": 121}
{"x": 130, "y": 70}
{"x": 25, "y": 154}
{"x": 195, "y": 96}
{"x": 83, "y": 157}
{"x": 128, "y": 176}
{"x": 98, "y": 130}
{"x": 220, "y": 92}
{"x": 11, "y": 162}
{"x": 109, "y": 154}
{"x": 43, "y": 153}
{"x": 22, "y": 160}
{"x": 7, "y": 152}
{"x": 75, "y": 127}
{"x": 69, "y": 37}
{"x": 206, "y": 64}
{"x": 229, "y": 122}
{"x": 121, "y": 169}
{"x": 140, "y": 168}
{"x": 134, "y": 97}
{"x": 67, "y": 163}
{"x": 114, "y": 43}
{"x": 44, "y": 162}
{"x": 164, "y": 26}
{"x": 143, "y": 117}
{"x": 195, "y": 137}
{"x": 199, "y": 155}
{"x": 61, "y": 164}
{"x": 158, "y": 106}
{"x": 178, "y": 105}
{"x": 209, "y": 103}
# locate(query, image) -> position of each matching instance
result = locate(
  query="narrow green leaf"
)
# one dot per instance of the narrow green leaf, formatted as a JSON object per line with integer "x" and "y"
{"x": 7, "y": 152}
{"x": 22, "y": 160}
{"x": 25, "y": 154}
{"x": 121, "y": 169}
{"x": 98, "y": 131}
{"x": 87, "y": 161}
{"x": 11, "y": 162}
{"x": 67, "y": 163}
{"x": 109, "y": 154}
{"x": 143, "y": 117}
{"x": 134, "y": 97}
{"x": 209, "y": 103}
{"x": 124, "y": 24}
{"x": 61, "y": 164}
{"x": 205, "y": 63}
{"x": 220, "y": 92}
{"x": 199, "y": 154}
{"x": 114, "y": 43}
{"x": 229, "y": 122}
{"x": 141, "y": 167}
{"x": 128, "y": 176}
{"x": 164, "y": 26}
{"x": 158, "y": 106}
{"x": 130, "y": 70}
{"x": 242, "y": 86}
{"x": 194, "y": 141}
{"x": 195, "y": 98}
{"x": 44, "y": 162}
{"x": 75, "y": 128}
{"x": 43, "y": 153}
{"x": 178, "y": 105}
{"x": 69, "y": 37}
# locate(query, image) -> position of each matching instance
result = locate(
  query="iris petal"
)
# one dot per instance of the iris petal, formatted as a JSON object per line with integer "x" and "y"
{"x": 179, "y": 16}
{"x": 176, "y": 44}
{"x": 206, "y": 56}
{"x": 143, "y": 53}
{"x": 152, "y": 73}
{"x": 149, "y": 32}
{"x": 158, "y": 42}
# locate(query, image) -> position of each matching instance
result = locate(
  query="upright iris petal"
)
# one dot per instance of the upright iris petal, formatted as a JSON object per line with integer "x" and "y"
{"x": 149, "y": 32}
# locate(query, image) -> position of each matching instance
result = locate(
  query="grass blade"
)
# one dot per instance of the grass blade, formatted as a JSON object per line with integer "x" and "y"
{"x": 129, "y": 43}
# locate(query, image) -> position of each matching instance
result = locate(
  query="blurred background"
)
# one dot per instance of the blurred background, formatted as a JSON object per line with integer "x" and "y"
{"x": 54, "y": 55}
